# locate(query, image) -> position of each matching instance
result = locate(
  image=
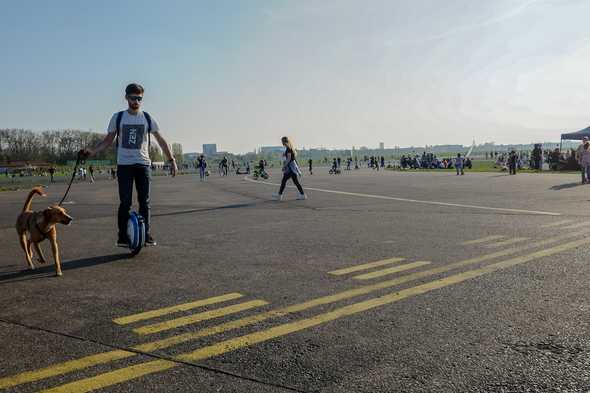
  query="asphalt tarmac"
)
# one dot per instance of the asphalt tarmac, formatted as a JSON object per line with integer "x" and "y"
{"x": 379, "y": 282}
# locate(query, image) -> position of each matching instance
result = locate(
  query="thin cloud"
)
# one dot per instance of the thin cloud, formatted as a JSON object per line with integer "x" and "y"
{"x": 492, "y": 21}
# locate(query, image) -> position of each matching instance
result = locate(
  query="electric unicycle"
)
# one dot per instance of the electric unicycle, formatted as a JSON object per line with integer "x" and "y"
{"x": 136, "y": 233}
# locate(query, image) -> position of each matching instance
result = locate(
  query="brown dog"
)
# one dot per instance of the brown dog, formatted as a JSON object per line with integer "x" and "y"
{"x": 40, "y": 226}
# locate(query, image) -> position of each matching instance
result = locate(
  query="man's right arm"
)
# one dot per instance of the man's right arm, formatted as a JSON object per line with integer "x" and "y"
{"x": 106, "y": 142}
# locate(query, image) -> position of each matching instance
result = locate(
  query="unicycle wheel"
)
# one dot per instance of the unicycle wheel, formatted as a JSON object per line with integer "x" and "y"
{"x": 135, "y": 251}
{"x": 136, "y": 233}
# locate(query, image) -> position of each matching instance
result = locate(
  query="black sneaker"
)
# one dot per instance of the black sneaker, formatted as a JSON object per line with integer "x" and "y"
{"x": 149, "y": 241}
{"x": 123, "y": 241}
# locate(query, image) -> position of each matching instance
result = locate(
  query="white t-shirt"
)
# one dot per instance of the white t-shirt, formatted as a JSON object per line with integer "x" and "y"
{"x": 133, "y": 139}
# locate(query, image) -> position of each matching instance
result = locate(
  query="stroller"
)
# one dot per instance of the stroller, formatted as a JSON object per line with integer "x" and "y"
{"x": 259, "y": 172}
{"x": 335, "y": 170}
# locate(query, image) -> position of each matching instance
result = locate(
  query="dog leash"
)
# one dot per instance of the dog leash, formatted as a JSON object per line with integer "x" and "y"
{"x": 79, "y": 160}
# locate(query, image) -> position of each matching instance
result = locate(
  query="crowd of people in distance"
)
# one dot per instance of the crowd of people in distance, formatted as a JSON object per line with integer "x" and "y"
{"x": 537, "y": 159}
{"x": 511, "y": 161}
{"x": 431, "y": 161}
{"x": 372, "y": 162}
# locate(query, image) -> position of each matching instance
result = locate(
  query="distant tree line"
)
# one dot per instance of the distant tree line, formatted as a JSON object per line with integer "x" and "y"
{"x": 55, "y": 146}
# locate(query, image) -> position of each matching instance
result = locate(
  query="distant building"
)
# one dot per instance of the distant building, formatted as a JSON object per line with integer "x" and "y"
{"x": 271, "y": 149}
{"x": 381, "y": 146}
{"x": 209, "y": 149}
{"x": 191, "y": 156}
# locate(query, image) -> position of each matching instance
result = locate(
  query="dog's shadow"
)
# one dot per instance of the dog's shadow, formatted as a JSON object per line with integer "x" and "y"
{"x": 48, "y": 270}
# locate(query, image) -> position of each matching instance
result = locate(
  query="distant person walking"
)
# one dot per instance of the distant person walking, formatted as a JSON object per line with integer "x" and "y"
{"x": 223, "y": 166}
{"x": 91, "y": 172}
{"x": 310, "y": 162}
{"x": 512, "y": 160}
{"x": 579, "y": 154}
{"x": 290, "y": 170}
{"x": 51, "y": 173}
{"x": 459, "y": 161}
{"x": 202, "y": 165}
{"x": 585, "y": 161}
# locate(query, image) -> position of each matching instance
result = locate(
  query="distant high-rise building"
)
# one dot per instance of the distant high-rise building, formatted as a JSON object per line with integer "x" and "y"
{"x": 381, "y": 146}
{"x": 209, "y": 149}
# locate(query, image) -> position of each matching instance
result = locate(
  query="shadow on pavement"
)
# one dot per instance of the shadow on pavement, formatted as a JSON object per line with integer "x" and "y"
{"x": 205, "y": 209}
{"x": 565, "y": 186}
{"x": 48, "y": 270}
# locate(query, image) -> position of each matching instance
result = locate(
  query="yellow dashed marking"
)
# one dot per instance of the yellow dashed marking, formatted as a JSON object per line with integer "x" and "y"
{"x": 391, "y": 270}
{"x": 365, "y": 266}
{"x": 180, "y": 307}
{"x": 195, "y": 318}
{"x": 482, "y": 240}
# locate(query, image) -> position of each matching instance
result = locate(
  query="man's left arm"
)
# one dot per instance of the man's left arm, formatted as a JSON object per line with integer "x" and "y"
{"x": 167, "y": 151}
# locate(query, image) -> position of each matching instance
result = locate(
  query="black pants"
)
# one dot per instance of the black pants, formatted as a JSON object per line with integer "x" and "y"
{"x": 290, "y": 175}
{"x": 512, "y": 168}
{"x": 126, "y": 175}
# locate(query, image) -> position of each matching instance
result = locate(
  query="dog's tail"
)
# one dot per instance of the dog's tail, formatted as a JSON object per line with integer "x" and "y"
{"x": 36, "y": 190}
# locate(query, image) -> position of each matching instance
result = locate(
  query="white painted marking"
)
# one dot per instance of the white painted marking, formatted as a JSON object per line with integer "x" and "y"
{"x": 578, "y": 225}
{"x": 357, "y": 194}
{"x": 556, "y": 224}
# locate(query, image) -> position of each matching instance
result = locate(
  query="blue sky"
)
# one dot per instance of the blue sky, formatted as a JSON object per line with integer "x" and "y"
{"x": 327, "y": 73}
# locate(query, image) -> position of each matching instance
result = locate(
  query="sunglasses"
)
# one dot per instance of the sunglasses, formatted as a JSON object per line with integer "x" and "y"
{"x": 135, "y": 98}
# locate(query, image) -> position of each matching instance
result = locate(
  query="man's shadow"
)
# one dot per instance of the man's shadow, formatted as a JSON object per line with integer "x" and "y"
{"x": 48, "y": 270}
{"x": 565, "y": 186}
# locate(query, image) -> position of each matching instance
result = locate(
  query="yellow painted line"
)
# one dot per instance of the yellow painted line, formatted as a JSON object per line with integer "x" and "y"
{"x": 391, "y": 270}
{"x": 180, "y": 307}
{"x": 482, "y": 240}
{"x": 63, "y": 368}
{"x": 230, "y": 345}
{"x": 195, "y": 318}
{"x": 94, "y": 360}
{"x": 578, "y": 225}
{"x": 508, "y": 242}
{"x": 556, "y": 224}
{"x": 365, "y": 266}
{"x": 113, "y": 378}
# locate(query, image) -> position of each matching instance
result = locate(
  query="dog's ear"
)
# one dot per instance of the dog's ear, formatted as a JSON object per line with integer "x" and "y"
{"x": 47, "y": 214}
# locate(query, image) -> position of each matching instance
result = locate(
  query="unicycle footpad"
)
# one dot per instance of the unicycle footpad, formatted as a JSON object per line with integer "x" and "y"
{"x": 136, "y": 232}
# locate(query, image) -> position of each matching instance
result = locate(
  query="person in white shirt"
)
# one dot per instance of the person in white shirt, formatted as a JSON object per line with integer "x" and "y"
{"x": 459, "y": 164}
{"x": 132, "y": 130}
{"x": 579, "y": 153}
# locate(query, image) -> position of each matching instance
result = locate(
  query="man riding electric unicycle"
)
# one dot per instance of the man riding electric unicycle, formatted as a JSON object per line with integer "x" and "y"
{"x": 131, "y": 130}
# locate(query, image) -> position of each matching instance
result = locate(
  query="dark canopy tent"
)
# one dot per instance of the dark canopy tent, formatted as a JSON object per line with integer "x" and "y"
{"x": 576, "y": 136}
